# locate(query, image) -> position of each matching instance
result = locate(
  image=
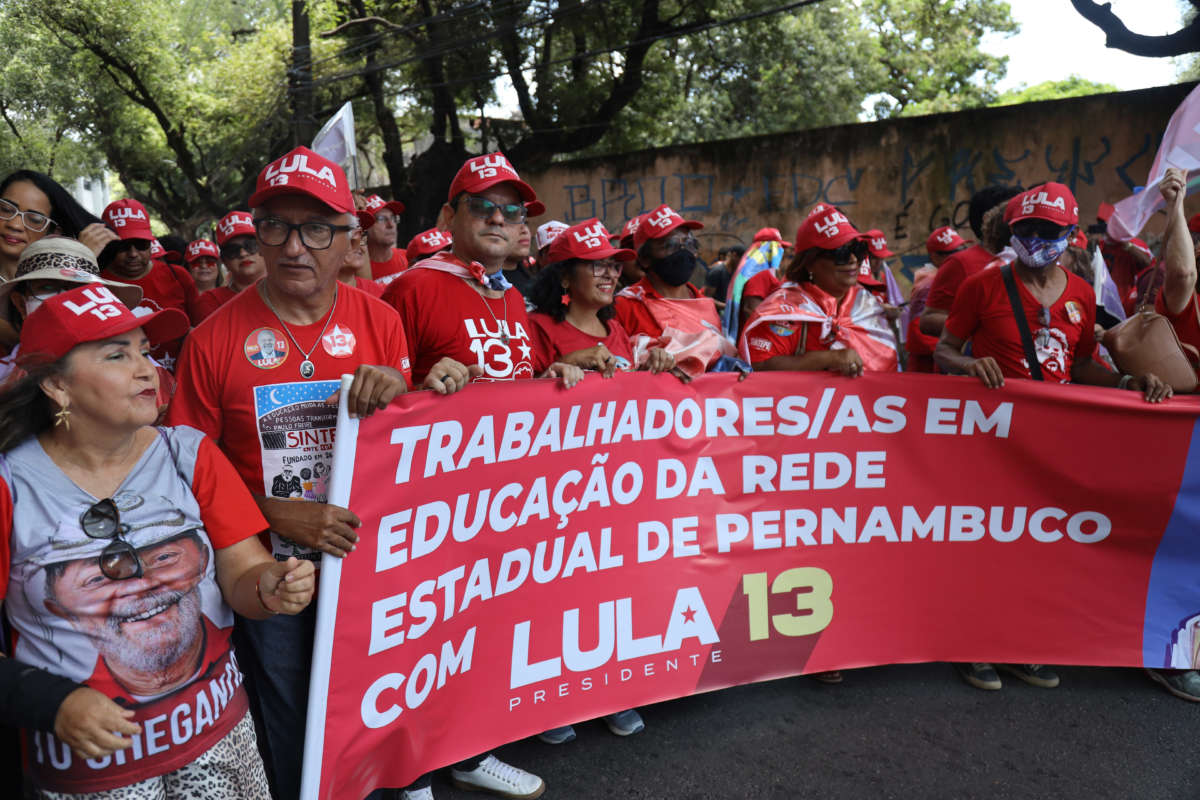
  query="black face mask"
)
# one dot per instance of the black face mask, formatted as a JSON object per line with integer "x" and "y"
{"x": 677, "y": 268}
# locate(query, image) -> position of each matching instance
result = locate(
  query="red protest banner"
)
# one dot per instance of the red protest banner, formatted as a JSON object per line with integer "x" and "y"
{"x": 536, "y": 556}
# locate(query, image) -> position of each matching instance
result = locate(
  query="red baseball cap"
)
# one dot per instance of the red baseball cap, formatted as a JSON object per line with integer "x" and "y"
{"x": 483, "y": 172}
{"x": 1105, "y": 212}
{"x": 427, "y": 243}
{"x": 659, "y": 223}
{"x": 827, "y": 228}
{"x": 304, "y": 172}
{"x": 944, "y": 240}
{"x": 1194, "y": 223}
{"x": 1079, "y": 239}
{"x": 770, "y": 235}
{"x": 627, "y": 232}
{"x": 535, "y": 208}
{"x": 199, "y": 249}
{"x": 235, "y": 223}
{"x": 156, "y": 249}
{"x": 375, "y": 202}
{"x": 1052, "y": 202}
{"x": 128, "y": 218}
{"x": 588, "y": 240}
{"x": 865, "y": 277}
{"x": 877, "y": 244}
{"x": 90, "y": 314}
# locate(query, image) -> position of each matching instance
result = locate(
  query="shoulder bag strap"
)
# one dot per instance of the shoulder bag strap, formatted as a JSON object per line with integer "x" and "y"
{"x": 1014, "y": 299}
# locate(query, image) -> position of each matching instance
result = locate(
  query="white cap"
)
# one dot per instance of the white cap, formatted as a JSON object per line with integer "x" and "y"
{"x": 548, "y": 232}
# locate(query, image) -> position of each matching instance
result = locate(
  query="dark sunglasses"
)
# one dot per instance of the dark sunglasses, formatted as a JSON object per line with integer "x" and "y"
{"x": 481, "y": 207}
{"x": 125, "y": 246}
{"x": 235, "y": 249}
{"x": 118, "y": 561}
{"x": 849, "y": 253}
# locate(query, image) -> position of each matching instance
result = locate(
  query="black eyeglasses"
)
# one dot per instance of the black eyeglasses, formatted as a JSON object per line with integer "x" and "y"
{"x": 118, "y": 561}
{"x": 849, "y": 253}
{"x": 32, "y": 220}
{"x": 248, "y": 246}
{"x": 481, "y": 207}
{"x": 313, "y": 235}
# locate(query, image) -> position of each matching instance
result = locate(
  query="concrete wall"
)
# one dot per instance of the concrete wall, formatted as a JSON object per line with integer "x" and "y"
{"x": 905, "y": 176}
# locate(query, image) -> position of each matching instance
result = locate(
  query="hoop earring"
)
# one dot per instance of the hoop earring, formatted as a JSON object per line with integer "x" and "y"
{"x": 63, "y": 417}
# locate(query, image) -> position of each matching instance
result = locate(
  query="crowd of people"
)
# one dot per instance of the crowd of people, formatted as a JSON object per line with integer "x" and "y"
{"x": 162, "y": 539}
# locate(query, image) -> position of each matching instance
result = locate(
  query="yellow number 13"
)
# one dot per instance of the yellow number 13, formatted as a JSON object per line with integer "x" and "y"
{"x": 814, "y": 604}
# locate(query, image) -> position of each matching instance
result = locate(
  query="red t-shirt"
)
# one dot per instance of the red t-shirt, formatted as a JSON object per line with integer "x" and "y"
{"x": 951, "y": 274}
{"x": 210, "y": 301}
{"x": 919, "y": 346}
{"x": 240, "y": 383}
{"x": 783, "y": 339}
{"x": 983, "y": 314}
{"x": 384, "y": 272}
{"x": 445, "y": 317}
{"x": 762, "y": 284}
{"x": 636, "y": 318}
{"x": 372, "y": 288}
{"x": 557, "y": 339}
{"x": 1186, "y": 323}
{"x": 165, "y": 286}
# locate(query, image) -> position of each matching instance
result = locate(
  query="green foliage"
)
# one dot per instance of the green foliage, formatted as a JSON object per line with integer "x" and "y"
{"x": 177, "y": 97}
{"x": 929, "y": 51}
{"x": 1074, "y": 86}
{"x": 186, "y": 99}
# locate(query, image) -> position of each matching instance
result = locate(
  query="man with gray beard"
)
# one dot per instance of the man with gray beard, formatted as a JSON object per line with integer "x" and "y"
{"x": 150, "y": 631}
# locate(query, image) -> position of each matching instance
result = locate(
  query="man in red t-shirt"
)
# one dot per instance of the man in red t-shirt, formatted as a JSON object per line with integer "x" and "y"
{"x": 387, "y": 261}
{"x": 962, "y": 265}
{"x": 239, "y": 253}
{"x": 127, "y": 260}
{"x": 463, "y": 319}
{"x": 260, "y": 370}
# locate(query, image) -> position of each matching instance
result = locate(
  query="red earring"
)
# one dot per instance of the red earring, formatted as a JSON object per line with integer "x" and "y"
{"x": 566, "y": 298}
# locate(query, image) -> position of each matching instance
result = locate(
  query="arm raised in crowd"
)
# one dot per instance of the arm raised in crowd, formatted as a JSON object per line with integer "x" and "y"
{"x": 1178, "y": 252}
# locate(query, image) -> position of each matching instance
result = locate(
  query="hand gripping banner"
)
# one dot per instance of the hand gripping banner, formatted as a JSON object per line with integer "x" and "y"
{"x": 533, "y": 556}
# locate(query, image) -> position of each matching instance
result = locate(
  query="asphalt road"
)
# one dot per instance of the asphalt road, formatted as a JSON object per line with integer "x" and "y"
{"x": 912, "y": 731}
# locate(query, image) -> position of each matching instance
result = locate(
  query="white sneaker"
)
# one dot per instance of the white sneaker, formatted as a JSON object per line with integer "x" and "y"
{"x": 505, "y": 780}
{"x": 418, "y": 794}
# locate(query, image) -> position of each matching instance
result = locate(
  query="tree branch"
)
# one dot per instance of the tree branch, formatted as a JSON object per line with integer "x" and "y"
{"x": 1183, "y": 41}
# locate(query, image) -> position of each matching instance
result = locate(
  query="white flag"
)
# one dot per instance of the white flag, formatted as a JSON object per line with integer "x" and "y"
{"x": 1180, "y": 148}
{"x": 335, "y": 141}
